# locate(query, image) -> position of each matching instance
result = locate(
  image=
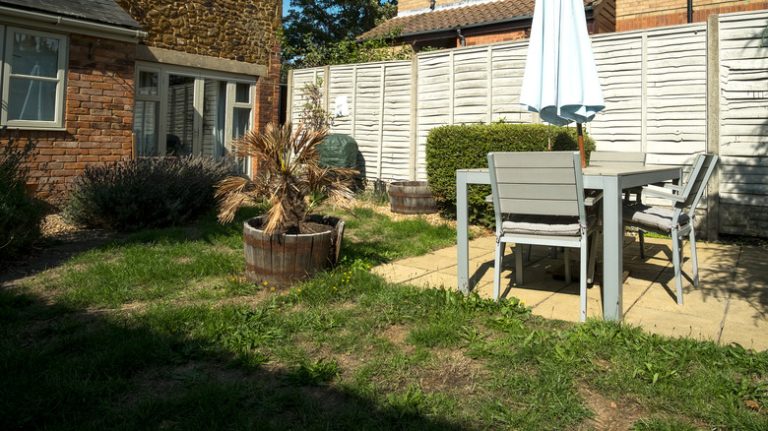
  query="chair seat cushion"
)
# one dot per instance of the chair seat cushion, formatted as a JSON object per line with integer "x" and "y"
{"x": 543, "y": 225}
{"x": 652, "y": 218}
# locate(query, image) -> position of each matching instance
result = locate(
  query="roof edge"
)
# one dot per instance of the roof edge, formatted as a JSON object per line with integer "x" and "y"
{"x": 74, "y": 25}
{"x": 587, "y": 9}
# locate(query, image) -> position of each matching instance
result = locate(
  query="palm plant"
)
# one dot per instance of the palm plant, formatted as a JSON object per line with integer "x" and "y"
{"x": 287, "y": 171}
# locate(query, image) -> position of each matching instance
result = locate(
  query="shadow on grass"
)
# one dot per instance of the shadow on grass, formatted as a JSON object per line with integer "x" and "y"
{"x": 64, "y": 368}
{"x": 207, "y": 229}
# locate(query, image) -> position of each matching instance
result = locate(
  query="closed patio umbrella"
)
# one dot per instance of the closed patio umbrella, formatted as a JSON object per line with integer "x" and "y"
{"x": 561, "y": 81}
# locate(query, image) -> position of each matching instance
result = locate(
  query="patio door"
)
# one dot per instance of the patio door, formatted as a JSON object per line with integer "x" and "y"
{"x": 180, "y": 119}
{"x": 183, "y": 111}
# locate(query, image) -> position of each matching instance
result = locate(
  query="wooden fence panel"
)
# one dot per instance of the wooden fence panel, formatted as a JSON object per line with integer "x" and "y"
{"x": 743, "y": 124}
{"x": 655, "y": 88}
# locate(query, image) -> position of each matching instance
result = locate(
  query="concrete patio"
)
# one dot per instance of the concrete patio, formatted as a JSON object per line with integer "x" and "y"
{"x": 729, "y": 306}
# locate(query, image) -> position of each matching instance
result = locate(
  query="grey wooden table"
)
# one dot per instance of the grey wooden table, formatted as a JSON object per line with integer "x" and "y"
{"x": 612, "y": 180}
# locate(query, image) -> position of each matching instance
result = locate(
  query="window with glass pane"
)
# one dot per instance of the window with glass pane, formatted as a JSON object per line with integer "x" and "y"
{"x": 36, "y": 76}
{"x": 145, "y": 128}
{"x": 180, "y": 118}
{"x": 148, "y": 84}
{"x": 243, "y": 93}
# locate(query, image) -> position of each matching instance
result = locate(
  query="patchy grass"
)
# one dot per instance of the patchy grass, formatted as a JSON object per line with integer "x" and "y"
{"x": 179, "y": 341}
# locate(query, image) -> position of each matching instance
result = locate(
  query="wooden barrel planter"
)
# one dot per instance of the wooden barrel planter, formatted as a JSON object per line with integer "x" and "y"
{"x": 411, "y": 197}
{"x": 281, "y": 260}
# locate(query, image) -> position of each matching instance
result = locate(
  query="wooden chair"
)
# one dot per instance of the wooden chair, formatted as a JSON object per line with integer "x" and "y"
{"x": 677, "y": 220}
{"x": 538, "y": 198}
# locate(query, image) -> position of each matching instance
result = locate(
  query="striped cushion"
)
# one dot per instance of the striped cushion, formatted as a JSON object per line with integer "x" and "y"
{"x": 652, "y": 218}
{"x": 543, "y": 225}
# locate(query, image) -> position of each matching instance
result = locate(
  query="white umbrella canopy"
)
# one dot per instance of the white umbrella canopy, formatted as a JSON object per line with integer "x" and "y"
{"x": 561, "y": 81}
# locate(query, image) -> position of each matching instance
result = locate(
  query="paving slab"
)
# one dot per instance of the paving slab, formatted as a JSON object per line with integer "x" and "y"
{"x": 746, "y": 324}
{"x": 730, "y": 305}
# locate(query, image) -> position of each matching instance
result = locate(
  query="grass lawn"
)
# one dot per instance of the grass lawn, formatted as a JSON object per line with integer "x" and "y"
{"x": 158, "y": 330}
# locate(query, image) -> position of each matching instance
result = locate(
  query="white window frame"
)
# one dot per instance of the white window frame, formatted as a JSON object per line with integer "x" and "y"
{"x": 61, "y": 80}
{"x": 200, "y": 75}
{"x": 149, "y": 98}
{"x": 233, "y": 104}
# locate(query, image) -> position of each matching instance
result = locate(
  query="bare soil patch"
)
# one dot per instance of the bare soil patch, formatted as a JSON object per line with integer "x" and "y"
{"x": 610, "y": 415}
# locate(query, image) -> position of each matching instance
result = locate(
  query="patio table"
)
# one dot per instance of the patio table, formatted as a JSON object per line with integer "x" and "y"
{"x": 612, "y": 180}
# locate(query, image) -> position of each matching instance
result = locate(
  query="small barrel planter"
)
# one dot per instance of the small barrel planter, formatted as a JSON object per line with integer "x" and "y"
{"x": 411, "y": 197}
{"x": 281, "y": 260}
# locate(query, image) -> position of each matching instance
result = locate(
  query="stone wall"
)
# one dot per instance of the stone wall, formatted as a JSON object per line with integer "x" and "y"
{"x": 242, "y": 30}
{"x": 98, "y": 116}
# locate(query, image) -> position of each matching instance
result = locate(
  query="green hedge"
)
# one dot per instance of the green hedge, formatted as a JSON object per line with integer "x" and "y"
{"x": 463, "y": 147}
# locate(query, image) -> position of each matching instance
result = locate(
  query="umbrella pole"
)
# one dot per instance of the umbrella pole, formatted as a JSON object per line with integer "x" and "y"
{"x": 582, "y": 153}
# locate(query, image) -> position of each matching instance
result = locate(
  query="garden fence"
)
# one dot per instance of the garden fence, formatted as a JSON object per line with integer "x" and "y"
{"x": 671, "y": 92}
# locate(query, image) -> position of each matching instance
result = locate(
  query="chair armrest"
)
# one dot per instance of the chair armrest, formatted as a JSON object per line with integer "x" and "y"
{"x": 674, "y": 187}
{"x": 592, "y": 199}
{"x": 661, "y": 192}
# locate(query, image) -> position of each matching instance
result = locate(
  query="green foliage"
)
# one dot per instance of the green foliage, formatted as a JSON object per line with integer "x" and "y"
{"x": 351, "y": 51}
{"x": 323, "y": 32}
{"x": 466, "y": 146}
{"x": 20, "y": 213}
{"x": 142, "y": 193}
{"x": 313, "y": 114}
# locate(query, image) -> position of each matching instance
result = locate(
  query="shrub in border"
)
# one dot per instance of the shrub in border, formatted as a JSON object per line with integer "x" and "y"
{"x": 20, "y": 213}
{"x": 146, "y": 193}
{"x": 466, "y": 147}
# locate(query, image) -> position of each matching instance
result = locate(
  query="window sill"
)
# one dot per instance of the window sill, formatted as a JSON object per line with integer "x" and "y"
{"x": 34, "y": 128}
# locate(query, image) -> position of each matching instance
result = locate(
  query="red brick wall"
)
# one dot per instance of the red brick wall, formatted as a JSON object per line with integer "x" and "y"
{"x": 267, "y": 103}
{"x": 98, "y": 116}
{"x": 636, "y": 15}
{"x": 484, "y": 39}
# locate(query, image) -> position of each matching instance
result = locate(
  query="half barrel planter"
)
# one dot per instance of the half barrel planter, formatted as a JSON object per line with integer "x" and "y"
{"x": 411, "y": 197}
{"x": 284, "y": 259}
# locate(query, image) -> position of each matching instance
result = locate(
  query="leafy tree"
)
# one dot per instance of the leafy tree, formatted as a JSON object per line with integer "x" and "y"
{"x": 324, "y": 31}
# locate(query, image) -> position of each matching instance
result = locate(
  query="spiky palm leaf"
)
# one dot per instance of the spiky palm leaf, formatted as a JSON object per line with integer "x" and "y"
{"x": 287, "y": 170}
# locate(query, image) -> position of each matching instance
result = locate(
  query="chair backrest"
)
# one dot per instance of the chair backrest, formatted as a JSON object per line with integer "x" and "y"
{"x": 537, "y": 183}
{"x": 607, "y": 158}
{"x": 693, "y": 190}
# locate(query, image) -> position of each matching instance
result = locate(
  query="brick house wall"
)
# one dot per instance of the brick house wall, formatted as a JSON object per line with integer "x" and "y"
{"x": 506, "y": 36}
{"x": 98, "y": 117}
{"x": 635, "y": 15}
{"x": 240, "y": 30}
{"x": 99, "y": 95}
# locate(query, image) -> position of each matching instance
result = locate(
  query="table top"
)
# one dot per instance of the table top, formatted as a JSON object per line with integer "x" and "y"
{"x": 605, "y": 170}
{"x": 625, "y": 169}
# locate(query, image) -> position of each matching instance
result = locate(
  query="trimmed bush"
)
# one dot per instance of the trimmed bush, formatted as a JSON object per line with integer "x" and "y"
{"x": 467, "y": 146}
{"x": 20, "y": 213}
{"x": 144, "y": 193}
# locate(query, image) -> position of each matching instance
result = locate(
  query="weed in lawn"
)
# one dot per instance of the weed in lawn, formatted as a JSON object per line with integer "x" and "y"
{"x": 415, "y": 402}
{"x": 313, "y": 373}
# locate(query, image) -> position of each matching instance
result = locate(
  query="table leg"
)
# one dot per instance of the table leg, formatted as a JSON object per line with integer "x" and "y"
{"x": 462, "y": 232}
{"x": 613, "y": 238}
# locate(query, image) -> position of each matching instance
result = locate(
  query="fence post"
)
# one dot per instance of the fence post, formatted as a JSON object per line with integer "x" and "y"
{"x": 713, "y": 124}
{"x": 490, "y": 83}
{"x": 414, "y": 116}
{"x": 644, "y": 93}
{"x": 327, "y": 87}
{"x": 353, "y": 112}
{"x": 383, "y": 86}
{"x": 451, "y": 89}
{"x": 289, "y": 102}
